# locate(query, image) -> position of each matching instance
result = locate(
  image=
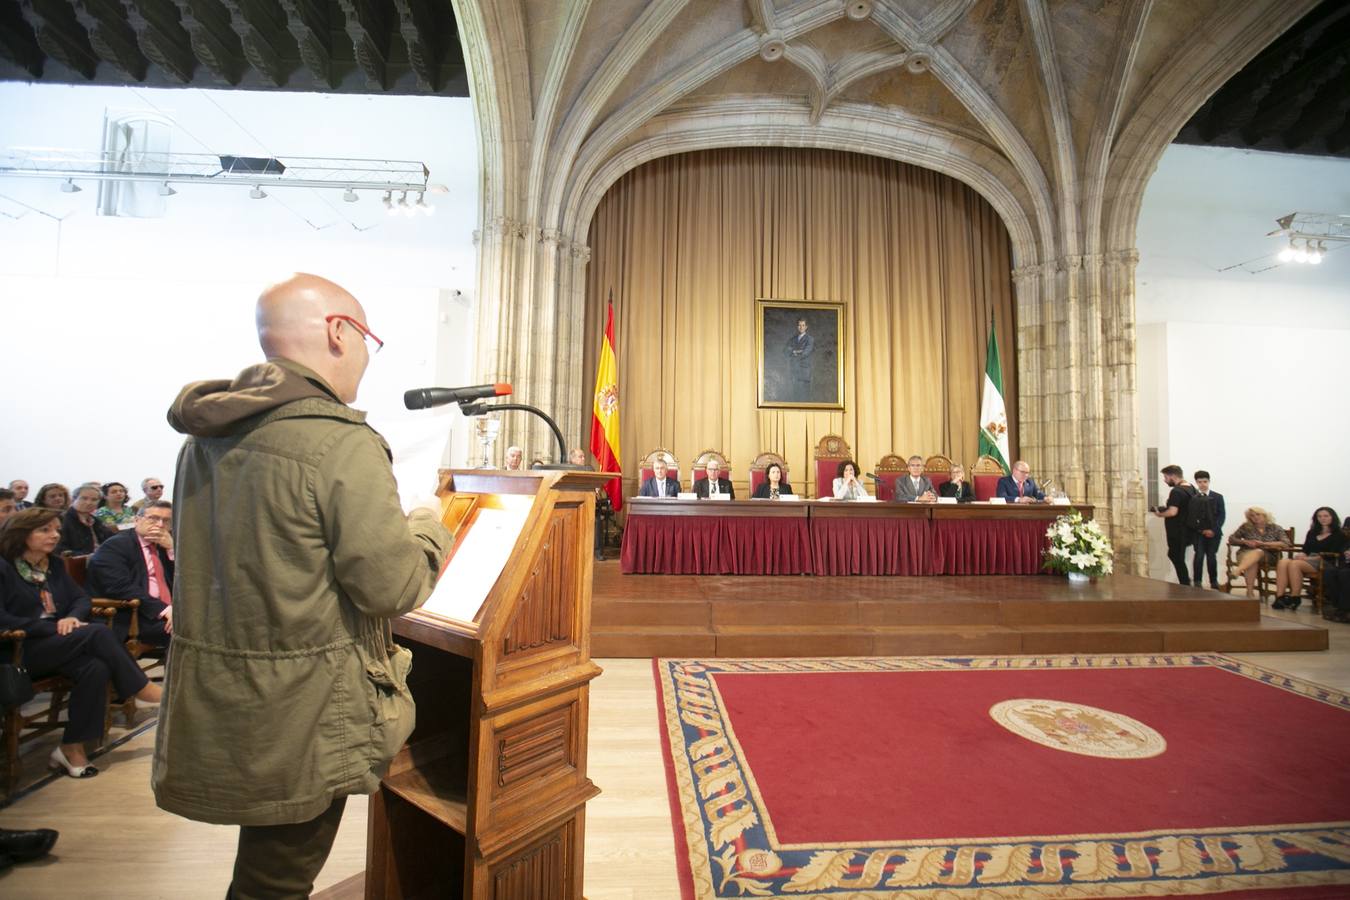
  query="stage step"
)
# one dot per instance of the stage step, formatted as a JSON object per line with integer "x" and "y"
{"x": 718, "y": 616}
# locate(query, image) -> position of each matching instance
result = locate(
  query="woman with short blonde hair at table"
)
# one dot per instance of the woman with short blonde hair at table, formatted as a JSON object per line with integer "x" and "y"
{"x": 1259, "y": 536}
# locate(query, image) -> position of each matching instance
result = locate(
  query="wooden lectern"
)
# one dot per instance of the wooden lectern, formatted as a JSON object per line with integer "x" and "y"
{"x": 487, "y": 800}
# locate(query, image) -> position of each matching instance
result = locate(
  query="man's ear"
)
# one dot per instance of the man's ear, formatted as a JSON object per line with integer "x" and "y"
{"x": 336, "y": 341}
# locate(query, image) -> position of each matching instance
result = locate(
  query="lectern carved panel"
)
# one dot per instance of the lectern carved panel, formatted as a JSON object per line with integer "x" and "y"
{"x": 536, "y": 748}
{"x": 540, "y": 873}
{"x": 543, "y": 614}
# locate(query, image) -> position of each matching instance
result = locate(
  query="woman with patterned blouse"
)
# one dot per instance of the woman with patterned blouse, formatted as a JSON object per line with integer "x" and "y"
{"x": 1260, "y": 537}
{"x": 113, "y": 511}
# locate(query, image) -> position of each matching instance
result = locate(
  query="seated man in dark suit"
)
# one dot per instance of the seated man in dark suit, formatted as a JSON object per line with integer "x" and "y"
{"x": 660, "y": 484}
{"x": 1019, "y": 487}
{"x": 137, "y": 564}
{"x": 713, "y": 484}
{"x": 915, "y": 487}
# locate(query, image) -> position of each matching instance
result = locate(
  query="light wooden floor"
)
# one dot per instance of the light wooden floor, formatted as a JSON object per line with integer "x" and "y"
{"x": 115, "y": 843}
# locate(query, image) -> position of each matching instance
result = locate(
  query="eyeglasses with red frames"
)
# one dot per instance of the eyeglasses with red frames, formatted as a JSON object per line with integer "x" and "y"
{"x": 360, "y": 327}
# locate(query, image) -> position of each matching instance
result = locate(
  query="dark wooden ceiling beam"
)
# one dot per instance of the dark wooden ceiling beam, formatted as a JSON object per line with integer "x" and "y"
{"x": 18, "y": 43}
{"x": 260, "y": 24}
{"x": 161, "y": 37}
{"x": 418, "y": 28}
{"x": 307, "y": 21}
{"x": 112, "y": 37}
{"x": 369, "y": 33}
{"x": 60, "y": 35}
{"x": 214, "y": 42}
{"x": 1329, "y": 105}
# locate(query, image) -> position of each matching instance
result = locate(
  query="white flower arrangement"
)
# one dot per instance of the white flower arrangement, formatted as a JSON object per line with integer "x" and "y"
{"x": 1078, "y": 545}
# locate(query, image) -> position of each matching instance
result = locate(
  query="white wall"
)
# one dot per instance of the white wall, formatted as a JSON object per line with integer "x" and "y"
{"x": 1239, "y": 356}
{"x": 106, "y": 318}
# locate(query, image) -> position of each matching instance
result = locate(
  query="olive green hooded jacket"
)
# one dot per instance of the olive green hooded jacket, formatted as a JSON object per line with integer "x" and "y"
{"x": 284, "y": 690}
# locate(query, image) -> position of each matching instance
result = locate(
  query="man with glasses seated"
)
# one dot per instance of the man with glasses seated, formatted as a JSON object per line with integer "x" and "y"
{"x": 137, "y": 564}
{"x": 152, "y": 489}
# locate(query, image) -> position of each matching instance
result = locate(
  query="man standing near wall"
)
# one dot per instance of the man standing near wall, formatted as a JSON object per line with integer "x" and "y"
{"x": 1174, "y": 516}
{"x": 1204, "y": 518}
{"x": 285, "y": 692}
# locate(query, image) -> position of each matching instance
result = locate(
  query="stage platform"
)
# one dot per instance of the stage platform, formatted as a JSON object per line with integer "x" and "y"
{"x": 763, "y": 616}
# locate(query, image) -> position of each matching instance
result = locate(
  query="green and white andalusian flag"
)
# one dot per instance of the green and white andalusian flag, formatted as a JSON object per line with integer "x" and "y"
{"x": 993, "y": 415}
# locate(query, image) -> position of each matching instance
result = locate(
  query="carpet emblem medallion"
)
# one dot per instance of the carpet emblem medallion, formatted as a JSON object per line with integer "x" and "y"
{"x": 1077, "y": 728}
{"x": 779, "y": 788}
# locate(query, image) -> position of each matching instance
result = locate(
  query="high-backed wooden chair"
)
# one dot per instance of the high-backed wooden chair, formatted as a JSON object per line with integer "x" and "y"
{"x": 888, "y": 469}
{"x": 700, "y": 471}
{"x": 77, "y": 567}
{"x": 984, "y": 477}
{"x": 938, "y": 468}
{"x": 830, "y": 451}
{"x": 761, "y": 464}
{"x": 672, "y": 465}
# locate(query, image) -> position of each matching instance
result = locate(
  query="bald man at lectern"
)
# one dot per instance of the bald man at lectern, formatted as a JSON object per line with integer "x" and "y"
{"x": 285, "y": 692}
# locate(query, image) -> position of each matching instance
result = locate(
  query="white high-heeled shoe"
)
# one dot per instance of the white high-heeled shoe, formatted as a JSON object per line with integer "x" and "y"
{"x": 58, "y": 761}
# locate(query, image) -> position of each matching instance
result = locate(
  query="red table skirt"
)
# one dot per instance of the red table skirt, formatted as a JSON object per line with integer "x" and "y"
{"x": 988, "y": 547}
{"x": 870, "y": 546}
{"x": 716, "y": 545}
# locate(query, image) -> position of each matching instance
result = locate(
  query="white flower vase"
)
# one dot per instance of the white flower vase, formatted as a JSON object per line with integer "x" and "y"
{"x": 1079, "y": 578}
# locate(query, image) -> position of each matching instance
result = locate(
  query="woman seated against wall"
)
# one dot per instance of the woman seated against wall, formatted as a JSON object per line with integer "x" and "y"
{"x": 957, "y": 486}
{"x": 81, "y": 532}
{"x": 1260, "y": 539}
{"x": 1324, "y": 536}
{"x": 846, "y": 483}
{"x": 38, "y": 597}
{"x": 53, "y": 496}
{"x": 773, "y": 486}
{"x": 113, "y": 511}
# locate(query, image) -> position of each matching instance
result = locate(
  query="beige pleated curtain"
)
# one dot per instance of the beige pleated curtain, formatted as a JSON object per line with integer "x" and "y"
{"x": 688, "y": 243}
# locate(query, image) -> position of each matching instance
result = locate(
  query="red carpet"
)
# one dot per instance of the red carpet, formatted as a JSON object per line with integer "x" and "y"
{"x": 891, "y": 777}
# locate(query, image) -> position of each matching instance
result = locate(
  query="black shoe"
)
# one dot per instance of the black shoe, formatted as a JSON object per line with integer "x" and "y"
{"x": 22, "y": 846}
{"x": 1279, "y": 603}
{"x": 1293, "y": 603}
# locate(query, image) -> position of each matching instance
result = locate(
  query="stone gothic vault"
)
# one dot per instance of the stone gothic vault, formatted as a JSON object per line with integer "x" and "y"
{"x": 1056, "y": 112}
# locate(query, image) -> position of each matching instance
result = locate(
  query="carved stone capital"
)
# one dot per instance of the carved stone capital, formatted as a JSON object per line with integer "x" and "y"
{"x": 1024, "y": 274}
{"x": 550, "y": 237}
{"x": 580, "y": 252}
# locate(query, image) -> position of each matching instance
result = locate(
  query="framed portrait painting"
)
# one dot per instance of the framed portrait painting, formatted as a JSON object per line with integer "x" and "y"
{"x": 801, "y": 354}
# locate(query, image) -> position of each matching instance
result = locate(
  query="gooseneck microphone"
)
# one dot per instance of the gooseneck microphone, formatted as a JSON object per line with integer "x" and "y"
{"x": 872, "y": 475}
{"x": 425, "y": 398}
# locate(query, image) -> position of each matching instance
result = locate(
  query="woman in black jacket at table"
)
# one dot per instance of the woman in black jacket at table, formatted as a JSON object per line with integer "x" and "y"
{"x": 39, "y": 598}
{"x": 773, "y": 486}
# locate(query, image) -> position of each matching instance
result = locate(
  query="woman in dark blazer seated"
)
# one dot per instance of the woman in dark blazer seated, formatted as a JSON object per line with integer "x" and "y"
{"x": 957, "y": 487}
{"x": 81, "y": 532}
{"x": 40, "y": 599}
{"x": 773, "y": 485}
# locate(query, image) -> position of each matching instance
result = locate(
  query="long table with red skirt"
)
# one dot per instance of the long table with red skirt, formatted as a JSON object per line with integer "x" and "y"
{"x": 823, "y": 537}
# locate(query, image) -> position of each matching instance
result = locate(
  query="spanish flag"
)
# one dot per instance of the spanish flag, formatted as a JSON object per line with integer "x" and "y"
{"x": 605, "y": 413}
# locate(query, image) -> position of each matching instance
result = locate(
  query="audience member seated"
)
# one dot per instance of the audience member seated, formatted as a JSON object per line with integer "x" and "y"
{"x": 773, "y": 485}
{"x": 660, "y": 484}
{"x": 81, "y": 533}
{"x": 152, "y": 489}
{"x": 40, "y": 599}
{"x": 113, "y": 511}
{"x": 915, "y": 487}
{"x": 1019, "y": 487}
{"x": 8, "y": 505}
{"x": 1324, "y": 536}
{"x": 576, "y": 457}
{"x": 713, "y": 486}
{"x": 957, "y": 486}
{"x": 1336, "y": 588}
{"x": 515, "y": 459}
{"x": 846, "y": 483}
{"x": 52, "y": 496}
{"x": 20, "y": 489}
{"x": 1259, "y": 537}
{"x": 138, "y": 565}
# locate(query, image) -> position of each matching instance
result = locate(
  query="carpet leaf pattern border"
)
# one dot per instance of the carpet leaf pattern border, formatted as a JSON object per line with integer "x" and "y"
{"x": 721, "y": 821}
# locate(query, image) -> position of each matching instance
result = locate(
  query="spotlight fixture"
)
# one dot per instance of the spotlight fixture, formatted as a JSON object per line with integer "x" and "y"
{"x": 422, "y": 206}
{"x": 388, "y": 202}
{"x": 166, "y": 191}
{"x": 1318, "y": 253}
{"x": 403, "y": 206}
{"x": 257, "y": 193}
{"x": 349, "y": 195}
{"x": 1308, "y": 234}
{"x": 70, "y": 187}
{"x": 1287, "y": 254}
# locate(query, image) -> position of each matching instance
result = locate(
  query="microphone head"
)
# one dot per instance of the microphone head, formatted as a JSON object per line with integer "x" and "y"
{"x": 418, "y": 398}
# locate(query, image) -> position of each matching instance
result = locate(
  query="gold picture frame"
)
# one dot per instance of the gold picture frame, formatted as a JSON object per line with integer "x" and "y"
{"x": 799, "y": 370}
